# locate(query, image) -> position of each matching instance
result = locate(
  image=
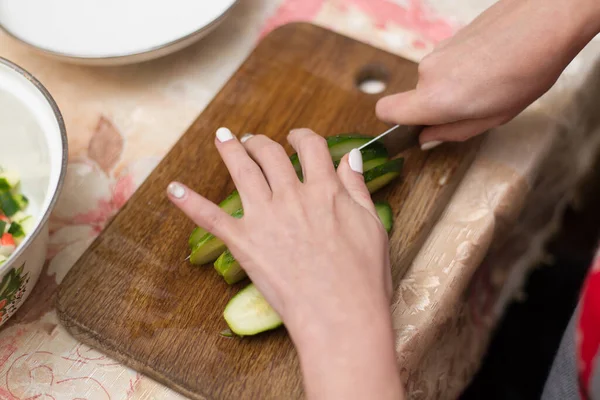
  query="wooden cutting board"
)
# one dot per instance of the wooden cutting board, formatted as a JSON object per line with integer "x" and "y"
{"x": 134, "y": 296}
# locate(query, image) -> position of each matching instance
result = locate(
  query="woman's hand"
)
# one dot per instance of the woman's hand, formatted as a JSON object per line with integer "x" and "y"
{"x": 494, "y": 68}
{"x": 317, "y": 252}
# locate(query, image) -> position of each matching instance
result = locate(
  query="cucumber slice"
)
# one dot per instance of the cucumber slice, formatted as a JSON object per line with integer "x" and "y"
{"x": 370, "y": 164}
{"x": 371, "y": 156}
{"x": 248, "y": 313}
{"x": 230, "y": 205}
{"x": 9, "y": 180}
{"x": 385, "y": 214}
{"x": 381, "y": 175}
{"x": 228, "y": 267}
{"x": 22, "y": 201}
{"x": 8, "y": 205}
{"x": 16, "y": 230}
{"x": 341, "y": 144}
{"x": 28, "y": 224}
{"x": 210, "y": 247}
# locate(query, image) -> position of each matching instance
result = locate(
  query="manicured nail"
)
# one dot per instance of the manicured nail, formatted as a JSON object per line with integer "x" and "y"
{"x": 224, "y": 134}
{"x": 430, "y": 145}
{"x": 176, "y": 190}
{"x": 355, "y": 161}
{"x": 246, "y": 137}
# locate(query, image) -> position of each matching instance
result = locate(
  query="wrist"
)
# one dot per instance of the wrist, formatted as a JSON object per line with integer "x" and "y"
{"x": 356, "y": 346}
{"x": 584, "y": 18}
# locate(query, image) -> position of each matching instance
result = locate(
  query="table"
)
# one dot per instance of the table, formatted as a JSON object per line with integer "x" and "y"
{"x": 122, "y": 120}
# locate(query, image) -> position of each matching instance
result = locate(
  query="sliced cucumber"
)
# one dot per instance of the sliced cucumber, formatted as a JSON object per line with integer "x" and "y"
{"x": 22, "y": 201}
{"x": 370, "y": 164}
{"x": 16, "y": 230}
{"x": 210, "y": 247}
{"x": 371, "y": 156}
{"x": 228, "y": 267}
{"x": 9, "y": 180}
{"x": 381, "y": 175}
{"x": 27, "y": 223}
{"x": 8, "y": 204}
{"x": 341, "y": 144}
{"x": 230, "y": 205}
{"x": 385, "y": 214}
{"x": 248, "y": 313}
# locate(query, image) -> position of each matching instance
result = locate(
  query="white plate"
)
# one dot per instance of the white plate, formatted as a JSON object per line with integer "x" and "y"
{"x": 111, "y": 31}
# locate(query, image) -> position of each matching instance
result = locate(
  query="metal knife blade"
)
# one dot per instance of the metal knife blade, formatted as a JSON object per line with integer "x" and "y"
{"x": 397, "y": 138}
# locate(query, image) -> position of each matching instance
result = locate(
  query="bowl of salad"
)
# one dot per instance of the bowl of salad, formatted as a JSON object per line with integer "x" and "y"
{"x": 33, "y": 158}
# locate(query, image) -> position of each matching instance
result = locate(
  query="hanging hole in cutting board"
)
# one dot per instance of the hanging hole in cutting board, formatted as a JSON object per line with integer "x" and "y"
{"x": 372, "y": 79}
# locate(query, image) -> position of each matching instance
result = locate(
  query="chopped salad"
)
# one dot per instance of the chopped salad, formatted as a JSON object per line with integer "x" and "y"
{"x": 15, "y": 223}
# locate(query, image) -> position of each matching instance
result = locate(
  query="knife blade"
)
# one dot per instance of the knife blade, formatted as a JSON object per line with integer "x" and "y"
{"x": 397, "y": 138}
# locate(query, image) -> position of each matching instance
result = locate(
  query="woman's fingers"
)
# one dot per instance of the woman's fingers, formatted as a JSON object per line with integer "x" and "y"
{"x": 350, "y": 172}
{"x": 313, "y": 154}
{"x": 273, "y": 161}
{"x": 246, "y": 174}
{"x": 456, "y": 131}
{"x": 203, "y": 212}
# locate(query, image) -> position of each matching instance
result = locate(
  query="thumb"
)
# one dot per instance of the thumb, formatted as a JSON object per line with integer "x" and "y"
{"x": 350, "y": 172}
{"x": 411, "y": 108}
{"x": 457, "y": 131}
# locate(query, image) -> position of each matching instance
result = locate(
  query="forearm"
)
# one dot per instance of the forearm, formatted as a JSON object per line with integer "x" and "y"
{"x": 351, "y": 358}
{"x": 569, "y": 25}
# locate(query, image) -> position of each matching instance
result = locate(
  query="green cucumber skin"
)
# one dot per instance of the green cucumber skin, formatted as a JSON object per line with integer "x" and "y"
{"x": 230, "y": 205}
{"x": 341, "y": 144}
{"x": 210, "y": 247}
{"x": 378, "y": 177}
{"x": 385, "y": 214}
{"x": 370, "y": 164}
{"x": 239, "y": 316}
{"x": 229, "y": 268}
{"x": 207, "y": 250}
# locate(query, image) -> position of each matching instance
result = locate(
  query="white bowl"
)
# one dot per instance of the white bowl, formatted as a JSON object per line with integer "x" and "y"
{"x": 33, "y": 142}
{"x": 111, "y": 32}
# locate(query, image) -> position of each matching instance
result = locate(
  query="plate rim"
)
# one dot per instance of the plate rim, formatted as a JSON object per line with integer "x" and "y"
{"x": 129, "y": 57}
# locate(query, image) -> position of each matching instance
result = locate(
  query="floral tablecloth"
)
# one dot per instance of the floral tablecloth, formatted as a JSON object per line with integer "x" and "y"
{"x": 122, "y": 120}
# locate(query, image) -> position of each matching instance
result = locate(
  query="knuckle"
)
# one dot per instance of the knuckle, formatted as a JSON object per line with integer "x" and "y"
{"x": 212, "y": 221}
{"x": 247, "y": 171}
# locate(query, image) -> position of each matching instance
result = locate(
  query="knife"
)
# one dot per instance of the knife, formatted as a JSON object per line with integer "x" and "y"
{"x": 397, "y": 138}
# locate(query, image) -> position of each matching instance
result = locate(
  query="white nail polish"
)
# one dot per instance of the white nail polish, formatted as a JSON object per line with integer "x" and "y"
{"x": 224, "y": 134}
{"x": 430, "y": 145}
{"x": 355, "y": 161}
{"x": 246, "y": 137}
{"x": 176, "y": 190}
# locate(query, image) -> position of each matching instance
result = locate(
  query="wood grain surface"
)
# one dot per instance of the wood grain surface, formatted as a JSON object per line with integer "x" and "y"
{"x": 134, "y": 296}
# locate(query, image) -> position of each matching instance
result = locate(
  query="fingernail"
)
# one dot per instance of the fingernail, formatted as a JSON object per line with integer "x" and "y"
{"x": 176, "y": 190}
{"x": 224, "y": 134}
{"x": 246, "y": 137}
{"x": 430, "y": 145}
{"x": 355, "y": 161}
